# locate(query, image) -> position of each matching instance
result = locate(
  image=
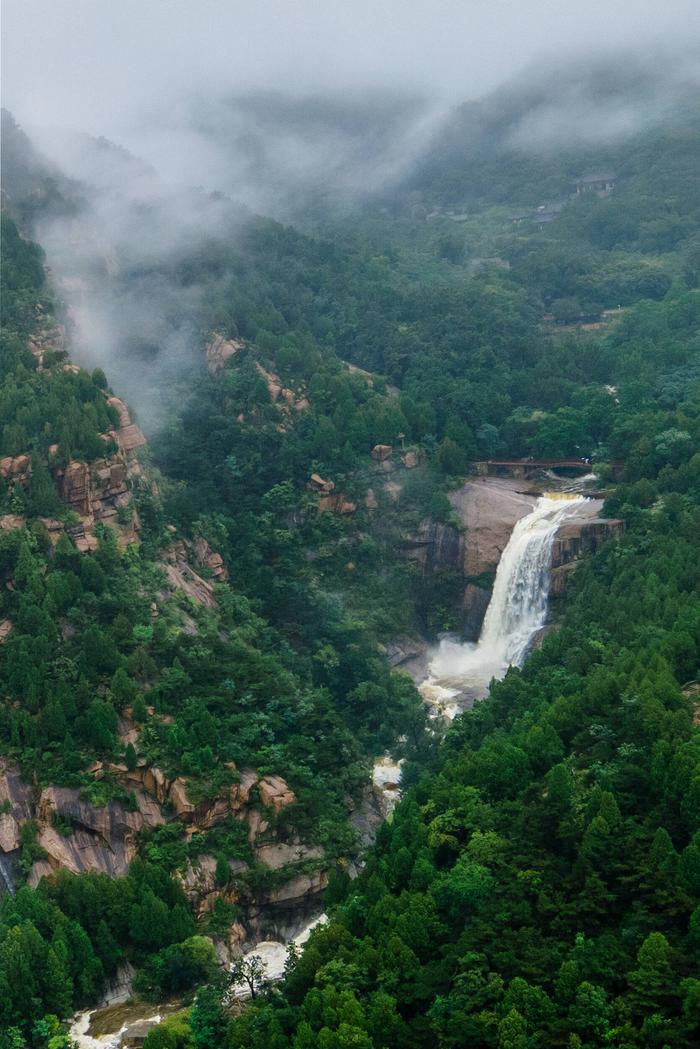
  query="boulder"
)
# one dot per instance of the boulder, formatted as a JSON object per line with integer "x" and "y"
{"x": 218, "y": 350}
{"x": 5, "y": 629}
{"x": 274, "y": 386}
{"x": 381, "y": 452}
{"x": 9, "y": 522}
{"x": 211, "y": 813}
{"x": 410, "y": 460}
{"x": 54, "y": 528}
{"x": 275, "y": 793}
{"x": 318, "y": 484}
{"x": 155, "y": 783}
{"x": 370, "y": 500}
{"x": 181, "y": 801}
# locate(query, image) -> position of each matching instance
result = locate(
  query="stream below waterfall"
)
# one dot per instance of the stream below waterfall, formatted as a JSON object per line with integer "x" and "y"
{"x": 460, "y": 673}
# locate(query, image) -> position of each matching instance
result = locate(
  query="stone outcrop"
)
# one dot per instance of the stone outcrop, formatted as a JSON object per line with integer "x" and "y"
{"x": 318, "y": 484}
{"x": 47, "y": 337}
{"x": 9, "y": 833}
{"x": 576, "y": 538}
{"x": 303, "y": 885}
{"x": 8, "y": 522}
{"x": 285, "y": 398}
{"x": 573, "y": 540}
{"x": 337, "y": 503}
{"x": 179, "y": 555}
{"x": 97, "y": 493}
{"x": 79, "y": 836}
{"x": 184, "y": 579}
{"x": 381, "y": 452}
{"x": 205, "y": 557}
{"x": 15, "y": 795}
{"x": 218, "y": 350}
{"x": 15, "y": 468}
{"x": 435, "y": 547}
{"x": 475, "y": 601}
{"x": 128, "y": 436}
{"x": 275, "y": 793}
{"x": 488, "y": 510}
{"x": 102, "y": 838}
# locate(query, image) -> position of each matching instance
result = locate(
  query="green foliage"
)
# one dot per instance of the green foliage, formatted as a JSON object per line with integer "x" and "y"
{"x": 566, "y": 801}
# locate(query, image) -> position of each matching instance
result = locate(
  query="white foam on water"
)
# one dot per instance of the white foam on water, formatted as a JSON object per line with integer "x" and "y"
{"x": 517, "y": 610}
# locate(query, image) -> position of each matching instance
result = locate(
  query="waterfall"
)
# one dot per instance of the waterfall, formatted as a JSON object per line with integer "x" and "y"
{"x": 7, "y": 882}
{"x": 517, "y": 609}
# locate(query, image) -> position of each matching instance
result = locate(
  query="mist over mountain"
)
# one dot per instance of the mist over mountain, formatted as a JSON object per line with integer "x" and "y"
{"x": 349, "y": 518}
{"x": 120, "y": 231}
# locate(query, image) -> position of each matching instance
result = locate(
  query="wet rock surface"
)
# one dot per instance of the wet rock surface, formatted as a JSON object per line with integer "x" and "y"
{"x": 488, "y": 508}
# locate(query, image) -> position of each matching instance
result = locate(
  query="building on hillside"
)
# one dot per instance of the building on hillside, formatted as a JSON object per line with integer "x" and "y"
{"x": 549, "y": 212}
{"x": 602, "y": 183}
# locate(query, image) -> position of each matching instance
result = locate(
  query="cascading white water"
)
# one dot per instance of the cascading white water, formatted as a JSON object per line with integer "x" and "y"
{"x": 517, "y": 609}
{"x": 7, "y": 884}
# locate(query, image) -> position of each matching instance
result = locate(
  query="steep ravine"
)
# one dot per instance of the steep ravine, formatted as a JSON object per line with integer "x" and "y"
{"x": 539, "y": 536}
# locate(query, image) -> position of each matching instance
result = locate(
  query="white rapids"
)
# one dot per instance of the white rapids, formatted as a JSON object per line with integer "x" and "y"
{"x": 273, "y": 954}
{"x": 517, "y": 610}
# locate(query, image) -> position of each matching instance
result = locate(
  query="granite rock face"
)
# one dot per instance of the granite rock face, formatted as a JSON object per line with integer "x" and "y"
{"x": 78, "y": 836}
{"x": 218, "y": 350}
{"x": 488, "y": 510}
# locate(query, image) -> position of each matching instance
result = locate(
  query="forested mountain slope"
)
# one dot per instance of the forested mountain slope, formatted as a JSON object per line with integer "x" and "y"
{"x": 191, "y": 668}
{"x": 152, "y": 713}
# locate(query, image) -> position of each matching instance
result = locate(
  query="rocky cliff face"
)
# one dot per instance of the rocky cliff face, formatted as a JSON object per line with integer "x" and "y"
{"x": 575, "y": 539}
{"x": 488, "y": 510}
{"x": 99, "y": 492}
{"x": 79, "y": 836}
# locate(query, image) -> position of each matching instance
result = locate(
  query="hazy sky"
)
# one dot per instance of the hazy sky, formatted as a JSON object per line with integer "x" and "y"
{"x": 99, "y": 64}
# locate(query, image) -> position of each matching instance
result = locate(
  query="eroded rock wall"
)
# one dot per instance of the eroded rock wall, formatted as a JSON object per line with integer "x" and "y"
{"x": 488, "y": 510}
{"x": 79, "y": 836}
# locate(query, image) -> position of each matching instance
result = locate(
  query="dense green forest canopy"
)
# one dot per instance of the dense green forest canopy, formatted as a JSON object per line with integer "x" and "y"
{"x": 539, "y": 883}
